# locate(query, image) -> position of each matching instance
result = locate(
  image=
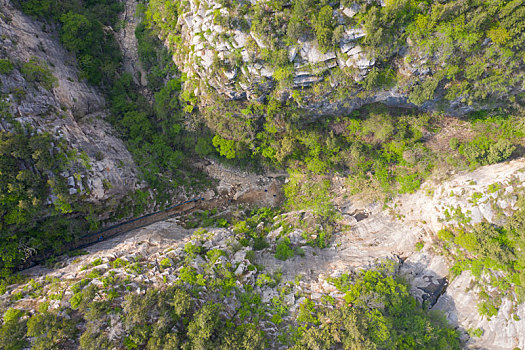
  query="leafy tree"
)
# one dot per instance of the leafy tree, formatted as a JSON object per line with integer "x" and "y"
{"x": 204, "y": 327}
{"x": 39, "y": 8}
{"x": 50, "y": 330}
{"x": 323, "y": 26}
{"x": 226, "y": 148}
{"x": 78, "y": 33}
{"x": 13, "y": 330}
{"x": 484, "y": 151}
{"x": 244, "y": 337}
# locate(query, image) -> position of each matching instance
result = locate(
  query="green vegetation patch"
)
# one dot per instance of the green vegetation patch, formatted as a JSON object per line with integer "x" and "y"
{"x": 34, "y": 195}
{"x": 36, "y": 71}
{"x": 82, "y": 32}
{"x": 378, "y": 312}
{"x": 219, "y": 309}
{"x": 6, "y": 66}
{"x": 494, "y": 255}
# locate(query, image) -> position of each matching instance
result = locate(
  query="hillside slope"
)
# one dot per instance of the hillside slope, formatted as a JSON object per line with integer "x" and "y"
{"x": 373, "y": 234}
{"x": 70, "y": 109}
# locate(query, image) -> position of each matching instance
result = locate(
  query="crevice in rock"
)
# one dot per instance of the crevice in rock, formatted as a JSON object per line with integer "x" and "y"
{"x": 433, "y": 290}
{"x": 360, "y": 214}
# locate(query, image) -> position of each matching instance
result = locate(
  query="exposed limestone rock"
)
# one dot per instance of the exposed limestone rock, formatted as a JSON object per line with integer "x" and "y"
{"x": 374, "y": 235}
{"x": 500, "y": 332}
{"x": 245, "y": 187}
{"x": 351, "y": 11}
{"x": 311, "y": 53}
{"x": 128, "y": 43}
{"x": 73, "y": 110}
{"x": 459, "y": 302}
{"x": 492, "y": 184}
{"x": 199, "y": 27}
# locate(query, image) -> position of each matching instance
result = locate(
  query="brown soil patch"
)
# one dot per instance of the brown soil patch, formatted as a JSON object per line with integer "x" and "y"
{"x": 450, "y": 127}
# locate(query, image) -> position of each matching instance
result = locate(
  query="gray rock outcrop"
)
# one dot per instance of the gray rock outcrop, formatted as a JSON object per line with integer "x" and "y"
{"x": 72, "y": 110}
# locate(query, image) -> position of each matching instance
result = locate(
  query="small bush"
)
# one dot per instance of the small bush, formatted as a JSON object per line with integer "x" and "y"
{"x": 165, "y": 263}
{"x": 12, "y": 330}
{"x": 76, "y": 301}
{"x": 118, "y": 262}
{"x": 453, "y": 143}
{"x": 486, "y": 308}
{"x": 284, "y": 251}
{"x": 35, "y": 71}
{"x": 5, "y": 66}
{"x": 445, "y": 235}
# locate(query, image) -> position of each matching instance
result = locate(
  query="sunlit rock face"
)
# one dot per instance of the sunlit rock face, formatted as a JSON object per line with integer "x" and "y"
{"x": 72, "y": 111}
{"x": 222, "y": 49}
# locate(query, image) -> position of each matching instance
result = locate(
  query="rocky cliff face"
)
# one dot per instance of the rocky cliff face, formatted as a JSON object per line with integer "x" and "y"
{"x": 254, "y": 50}
{"x": 230, "y": 59}
{"x": 496, "y": 188}
{"x": 233, "y": 60}
{"x": 371, "y": 235}
{"x": 332, "y": 58}
{"x": 70, "y": 110}
{"x": 212, "y": 42}
{"x": 377, "y": 234}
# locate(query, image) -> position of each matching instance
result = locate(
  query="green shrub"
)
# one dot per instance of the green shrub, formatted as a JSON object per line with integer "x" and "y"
{"x": 49, "y": 330}
{"x": 445, "y": 235}
{"x": 192, "y": 249}
{"x": 76, "y": 300}
{"x": 203, "y": 327}
{"x": 323, "y": 27}
{"x": 378, "y": 78}
{"x": 408, "y": 183}
{"x": 453, "y": 143}
{"x": 165, "y": 263}
{"x": 475, "y": 332}
{"x": 260, "y": 243}
{"x": 226, "y": 148}
{"x": 250, "y": 256}
{"x": 424, "y": 92}
{"x": 118, "y": 262}
{"x": 486, "y": 308}
{"x": 6, "y": 66}
{"x": 283, "y": 250}
{"x": 13, "y": 330}
{"x": 38, "y": 8}
{"x": 484, "y": 151}
{"x": 204, "y": 147}
{"x": 500, "y": 151}
{"x": 36, "y": 71}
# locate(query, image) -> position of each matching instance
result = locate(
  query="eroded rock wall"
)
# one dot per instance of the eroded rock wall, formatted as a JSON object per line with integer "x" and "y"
{"x": 215, "y": 45}
{"x": 72, "y": 110}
